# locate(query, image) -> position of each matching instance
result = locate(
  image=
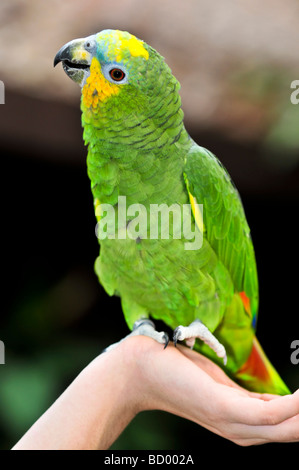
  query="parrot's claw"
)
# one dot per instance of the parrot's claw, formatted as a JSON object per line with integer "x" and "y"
{"x": 198, "y": 330}
{"x": 166, "y": 340}
{"x": 176, "y": 335}
{"x": 144, "y": 327}
{"x": 147, "y": 328}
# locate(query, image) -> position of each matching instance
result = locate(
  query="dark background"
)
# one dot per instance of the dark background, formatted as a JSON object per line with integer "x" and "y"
{"x": 55, "y": 316}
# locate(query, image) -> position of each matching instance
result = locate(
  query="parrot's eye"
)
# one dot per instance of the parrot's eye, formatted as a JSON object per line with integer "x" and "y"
{"x": 117, "y": 74}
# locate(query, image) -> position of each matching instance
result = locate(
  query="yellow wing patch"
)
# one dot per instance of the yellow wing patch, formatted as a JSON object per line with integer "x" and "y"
{"x": 97, "y": 88}
{"x": 196, "y": 213}
{"x": 97, "y": 206}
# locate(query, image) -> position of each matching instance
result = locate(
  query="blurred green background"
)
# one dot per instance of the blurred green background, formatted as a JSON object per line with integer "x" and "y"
{"x": 235, "y": 63}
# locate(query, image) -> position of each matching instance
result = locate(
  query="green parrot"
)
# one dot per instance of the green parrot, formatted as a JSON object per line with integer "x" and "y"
{"x": 142, "y": 160}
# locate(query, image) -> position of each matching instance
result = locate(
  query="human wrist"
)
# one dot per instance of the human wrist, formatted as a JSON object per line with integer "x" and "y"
{"x": 141, "y": 356}
{"x": 131, "y": 367}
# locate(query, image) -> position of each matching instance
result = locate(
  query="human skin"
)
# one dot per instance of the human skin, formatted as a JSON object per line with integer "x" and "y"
{"x": 139, "y": 375}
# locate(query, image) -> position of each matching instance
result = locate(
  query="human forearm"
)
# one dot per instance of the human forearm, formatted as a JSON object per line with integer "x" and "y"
{"x": 92, "y": 411}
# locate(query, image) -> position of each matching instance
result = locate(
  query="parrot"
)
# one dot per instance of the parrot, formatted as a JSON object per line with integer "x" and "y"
{"x": 140, "y": 156}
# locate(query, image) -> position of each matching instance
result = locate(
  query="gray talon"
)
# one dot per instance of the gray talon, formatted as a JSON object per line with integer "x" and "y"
{"x": 176, "y": 334}
{"x": 166, "y": 339}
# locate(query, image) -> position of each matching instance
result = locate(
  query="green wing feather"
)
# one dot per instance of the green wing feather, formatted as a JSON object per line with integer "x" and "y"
{"x": 224, "y": 220}
{"x": 227, "y": 232}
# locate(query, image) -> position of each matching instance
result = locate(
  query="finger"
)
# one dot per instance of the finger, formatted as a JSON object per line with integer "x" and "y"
{"x": 240, "y": 434}
{"x": 254, "y": 411}
{"x": 264, "y": 396}
{"x": 287, "y": 431}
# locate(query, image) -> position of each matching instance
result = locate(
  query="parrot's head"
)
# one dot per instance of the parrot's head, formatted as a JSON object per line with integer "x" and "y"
{"x": 116, "y": 71}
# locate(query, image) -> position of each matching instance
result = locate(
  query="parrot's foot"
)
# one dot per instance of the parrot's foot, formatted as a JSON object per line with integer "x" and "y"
{"x": 144, "y": 327}
{"x": 198, "y": 330}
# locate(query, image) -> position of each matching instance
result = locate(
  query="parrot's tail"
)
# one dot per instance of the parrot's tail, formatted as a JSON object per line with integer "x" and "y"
{"x": 258, "y": 374}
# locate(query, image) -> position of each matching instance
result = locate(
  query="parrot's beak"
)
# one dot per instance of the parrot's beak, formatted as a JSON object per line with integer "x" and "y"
{"x": 76, "y": 58}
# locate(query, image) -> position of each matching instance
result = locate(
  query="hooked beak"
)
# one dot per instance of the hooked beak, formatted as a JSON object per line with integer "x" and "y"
{"x": 76, "y": 58}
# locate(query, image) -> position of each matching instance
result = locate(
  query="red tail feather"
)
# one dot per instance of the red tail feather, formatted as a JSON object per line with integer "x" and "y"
{"x": 258, "y": 374}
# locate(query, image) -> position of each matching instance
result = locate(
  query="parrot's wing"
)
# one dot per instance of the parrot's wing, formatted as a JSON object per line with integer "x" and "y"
{"x": 223, "y": 222}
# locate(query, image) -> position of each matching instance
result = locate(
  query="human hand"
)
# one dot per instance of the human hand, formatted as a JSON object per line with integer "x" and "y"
{"x": 187, "y": 384}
